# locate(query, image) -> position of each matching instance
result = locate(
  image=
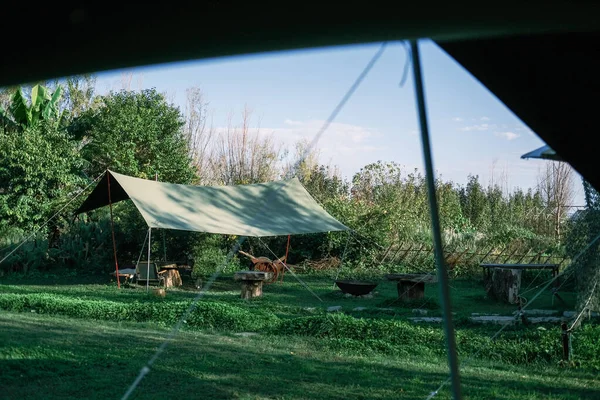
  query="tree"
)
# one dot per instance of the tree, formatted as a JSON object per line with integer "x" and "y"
{"x": 243, "y": 156}
{"x": 198, "y": 135}
{"x": 138, "y": 134}
{"x": 38, "y": 172}
{"x": 583, "y": 247}
{"x": 24, "y": 113}
{"x": 555, "y": 184}
{"x": 303, "y": 161}
{"x": 473, "y": 201}
{"x": 78, "y": 95}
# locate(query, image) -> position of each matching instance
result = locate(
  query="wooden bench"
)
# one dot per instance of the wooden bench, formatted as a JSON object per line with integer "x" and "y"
{"x": 252, "y": 282}
{"x": 411, "y": 286}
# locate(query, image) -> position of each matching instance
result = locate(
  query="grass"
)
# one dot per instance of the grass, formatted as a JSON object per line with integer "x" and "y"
{"x": 301, "y": 351}
{"x": 52, "y": 357}
{"x": 292, "y": 298}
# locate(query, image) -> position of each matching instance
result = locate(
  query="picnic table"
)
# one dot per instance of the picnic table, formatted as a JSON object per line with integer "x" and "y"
{"x": 411, "y": 286}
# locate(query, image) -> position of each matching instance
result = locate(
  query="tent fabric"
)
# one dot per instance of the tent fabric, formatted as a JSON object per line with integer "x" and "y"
{"x": 543, "y": 153}
{"x": 265, "y": 209}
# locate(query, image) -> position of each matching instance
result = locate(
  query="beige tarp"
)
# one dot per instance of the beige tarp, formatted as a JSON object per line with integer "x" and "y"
{"x": 265, "y": 209}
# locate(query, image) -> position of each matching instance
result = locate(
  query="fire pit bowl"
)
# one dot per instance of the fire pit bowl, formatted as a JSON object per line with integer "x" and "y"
{"x": 356, "y": 288}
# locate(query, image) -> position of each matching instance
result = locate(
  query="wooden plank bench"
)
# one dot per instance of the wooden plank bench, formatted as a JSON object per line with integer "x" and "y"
{"x": 412, "y": 286}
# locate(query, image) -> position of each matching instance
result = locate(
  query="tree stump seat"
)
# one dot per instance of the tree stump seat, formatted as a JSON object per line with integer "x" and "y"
{"x": 411, "y": 286}
{"x": 252, "y": 282}
{"x": 503, "y": 281}
{"x": 170, "y": 273}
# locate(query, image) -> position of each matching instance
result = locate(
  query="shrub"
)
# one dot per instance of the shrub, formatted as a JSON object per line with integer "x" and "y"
{"x": 205, "y": 315}
{"x": 520, "y": 346}
{"x": 209, "y": 254}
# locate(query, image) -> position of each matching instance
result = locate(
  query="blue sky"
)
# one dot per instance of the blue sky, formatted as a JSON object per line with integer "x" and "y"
{"x": 291, "y": 94}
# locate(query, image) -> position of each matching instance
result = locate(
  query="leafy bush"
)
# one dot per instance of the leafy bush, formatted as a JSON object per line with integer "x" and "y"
{"x": 212, "y": 315}
{"x": 30, "y": 256}
{"x": 519, "y": 346}
{"x": 209, "y": 254}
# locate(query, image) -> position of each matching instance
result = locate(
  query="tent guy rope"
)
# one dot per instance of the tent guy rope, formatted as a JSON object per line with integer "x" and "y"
{"x": 529, "y": 303}
{"x": 146, "y": 368}
{"x": 50, "y": 219}
{"x": 284, "y": 263}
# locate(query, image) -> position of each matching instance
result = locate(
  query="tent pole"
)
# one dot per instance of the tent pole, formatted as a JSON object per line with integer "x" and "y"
{"x": 163, "y": 231}
{"x": 435, "y": 222}
{"x": 164, "y": 245}
{"x": 112, "y": 228}
{"x": 148, "y": 270}
{"x": 337, "y": 274}
{"x": 287, "y": 251}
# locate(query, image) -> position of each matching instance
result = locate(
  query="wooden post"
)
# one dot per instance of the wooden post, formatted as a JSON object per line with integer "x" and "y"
{"x": 565, "y": 341}
{"x": 112, "y": 228}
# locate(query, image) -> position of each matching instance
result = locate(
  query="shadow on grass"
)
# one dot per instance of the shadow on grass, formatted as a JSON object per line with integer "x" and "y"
{"x": 55, "y": 358}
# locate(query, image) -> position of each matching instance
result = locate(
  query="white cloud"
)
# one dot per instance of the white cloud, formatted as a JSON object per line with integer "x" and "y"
{"x": 484, "y": 119}
{"x": 347, "y": 146}
{"x": 457, "y": 119}
{"x": 507, "y": 135}
{"x": 480, "y": 127}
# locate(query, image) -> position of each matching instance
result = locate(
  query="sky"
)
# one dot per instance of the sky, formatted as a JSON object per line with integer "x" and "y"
{"x": 291, "y": 94}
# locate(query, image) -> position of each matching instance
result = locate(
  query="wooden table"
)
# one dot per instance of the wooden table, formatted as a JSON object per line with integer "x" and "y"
{"x": 252, "y": 282}
{"x": 411, "y": 286}
{"x": 489, "y": 267}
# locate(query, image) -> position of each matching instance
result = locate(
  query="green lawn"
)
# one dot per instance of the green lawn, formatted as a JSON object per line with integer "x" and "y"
{"x": 301, "y": 353}
{"x": 291, "y": 297}
{"x": 45, "y": 357}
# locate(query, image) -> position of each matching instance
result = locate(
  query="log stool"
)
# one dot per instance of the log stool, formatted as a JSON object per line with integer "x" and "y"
{"x": 252, "y": 282}
{"x": 411, "y": 286}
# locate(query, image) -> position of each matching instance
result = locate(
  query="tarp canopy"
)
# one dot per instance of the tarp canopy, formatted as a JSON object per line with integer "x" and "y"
{"x": 543, "y": 153}
{"x": 264, "y": 209}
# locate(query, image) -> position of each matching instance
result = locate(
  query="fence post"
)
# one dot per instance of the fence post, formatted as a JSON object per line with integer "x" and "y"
{"x": 565, "y": 341}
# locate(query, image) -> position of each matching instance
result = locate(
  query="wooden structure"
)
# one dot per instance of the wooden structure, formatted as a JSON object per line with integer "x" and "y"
{"x": 252, "y": 282}
{"x": 265, "y": 264}
{"x": 127, "y": 273}
{"x": 503, "y": 281}
{"x": 171, "y": 275}
{"x": 411, "y": 286}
